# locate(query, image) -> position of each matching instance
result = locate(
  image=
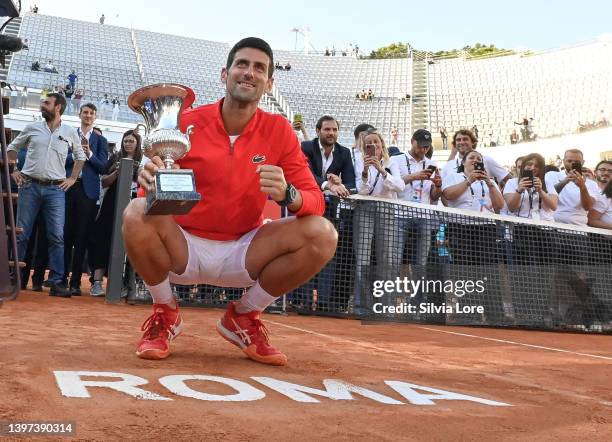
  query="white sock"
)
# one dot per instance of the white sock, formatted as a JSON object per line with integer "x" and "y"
{"x": 161, "y": 293}
{"x": 255, "y": 299}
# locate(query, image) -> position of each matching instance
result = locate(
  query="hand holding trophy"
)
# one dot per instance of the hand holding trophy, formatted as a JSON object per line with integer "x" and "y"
{"x": 161, "y": 106}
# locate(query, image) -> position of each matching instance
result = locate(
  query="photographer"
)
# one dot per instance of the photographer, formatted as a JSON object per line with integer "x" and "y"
{"x": 528, "y": 196}
{"x": 601, "y": 213}
{"x": 577, "y": 194}
{"x": 423, "y": 186}
{"x": 375, "y": 219}
{"x": 473, "y": 189}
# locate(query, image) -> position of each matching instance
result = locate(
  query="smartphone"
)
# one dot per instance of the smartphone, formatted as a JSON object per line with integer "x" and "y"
{"x": 577, "y": 166}
{"x": 370, "y": 150}
{"x": 297, "y": 118}
{"x": 479, "y": 166}
{"x": 528, "y": 174}
{"x": 433, "y": 170}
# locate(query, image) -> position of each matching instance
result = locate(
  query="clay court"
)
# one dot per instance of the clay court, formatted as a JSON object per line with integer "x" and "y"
{"x": 558, "y": 384}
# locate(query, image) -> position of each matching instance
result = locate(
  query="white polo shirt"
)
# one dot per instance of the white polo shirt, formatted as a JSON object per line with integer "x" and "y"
{"x": 475, "y": 198}
{"x": 569, "y": 210}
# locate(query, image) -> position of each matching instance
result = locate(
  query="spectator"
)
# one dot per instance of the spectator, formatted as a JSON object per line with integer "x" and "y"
{"x": 603, "y": 172}
{"x": 50, "y": 68}
{"x": 104, "y": 104}
{"x": 115, "y": 102}
{"x": 473, "y": 189}
{"x": 475, "y": 132}
{"x": 577, "y": 194}
{"x": 333, "y": 171}
{"x": 423, "y": 186}
{"x": 444, "y": 136}
{"x": 300, "y": 128}
{"x": 603, "y": 119}
{"x": 601, "y": 213}
{"x": 36, "y": 66}
{"x": 464, "y": 142}
{"x": 370, "y": 95}
{"x": 394, "y": 137}
{"x": 101, "y": 240}
{"x": 527, "y": 130}
{"x": 24, "y": 97}
{"x": 357, "y": 150}
{"x": 278, "y": 66}
{"x": 327, "y": 53}
{"x": 558, "y": 162}
{"x": 34, "y": 9}
{"x": 288, "y": 66}
{"x": 380, "y": 177}
{"x": 43, "y": 181}
{"x": 68, "y": 93}
{"x": 14, "y": 96}
{"x": 514, "y": 138}
{"x": 72, "y": 80}
{"x": 78, "y": 95}
{"x": 527, "y": 196}
{"x": 102, "y": 18}
{"x": 329, "y": 161}
{"x": 82, "y": 198}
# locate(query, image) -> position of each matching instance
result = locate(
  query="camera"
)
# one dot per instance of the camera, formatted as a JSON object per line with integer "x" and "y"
{"x": 577, "y": 166}
{"x": 479, "y": 166}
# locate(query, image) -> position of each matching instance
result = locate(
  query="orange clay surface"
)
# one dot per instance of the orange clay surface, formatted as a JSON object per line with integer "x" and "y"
{"x": 555, "y": 395}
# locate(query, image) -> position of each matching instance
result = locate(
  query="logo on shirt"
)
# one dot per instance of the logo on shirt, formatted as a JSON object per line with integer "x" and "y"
{"x": 258, "y": 159}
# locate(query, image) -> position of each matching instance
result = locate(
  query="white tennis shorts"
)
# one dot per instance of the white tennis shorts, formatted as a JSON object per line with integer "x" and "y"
{"x": 221, "y": 263}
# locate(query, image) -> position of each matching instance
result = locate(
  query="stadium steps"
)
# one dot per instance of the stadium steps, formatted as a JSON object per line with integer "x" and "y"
{"x": 420, "y": 114}
{"x": 11, "y": 29}
{"x": 278, "y": 109}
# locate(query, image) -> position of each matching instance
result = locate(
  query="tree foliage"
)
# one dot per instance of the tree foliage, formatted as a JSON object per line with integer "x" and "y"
{"x": 400, "y": 50}
{"x": 394, "y": 50}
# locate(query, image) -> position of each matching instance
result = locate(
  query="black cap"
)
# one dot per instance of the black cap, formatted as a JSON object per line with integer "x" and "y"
{"x": 422, "y": 137}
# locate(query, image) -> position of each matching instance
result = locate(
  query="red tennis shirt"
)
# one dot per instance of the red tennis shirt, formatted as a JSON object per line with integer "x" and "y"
{"x": 232, "y": 203}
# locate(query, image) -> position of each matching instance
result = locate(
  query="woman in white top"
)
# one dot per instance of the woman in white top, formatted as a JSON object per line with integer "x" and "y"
{"x": 527, "y": 196}
{"x": 472, "y": 189}
{"x": 380, "y": 177}
{"x": 375, "y": 220}
{"x": 601, "y": 213}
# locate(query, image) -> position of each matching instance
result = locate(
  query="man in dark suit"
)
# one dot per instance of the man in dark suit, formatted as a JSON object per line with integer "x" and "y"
{"x": 332, "y": 166}
{"x": 329, "y": 161}
{"x": 82, "y": 198}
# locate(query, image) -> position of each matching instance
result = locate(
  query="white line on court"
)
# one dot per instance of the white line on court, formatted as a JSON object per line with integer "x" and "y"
{"x": 503, "y": 341}
{"x": 503, "y": 378}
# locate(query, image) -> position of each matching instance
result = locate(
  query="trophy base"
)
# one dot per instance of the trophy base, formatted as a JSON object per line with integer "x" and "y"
{"x": 174, "y": 193}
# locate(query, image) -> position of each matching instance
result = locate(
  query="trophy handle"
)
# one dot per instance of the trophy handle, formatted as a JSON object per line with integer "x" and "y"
{"x": 189, "y": 130}
{"x": 145, "y": 132}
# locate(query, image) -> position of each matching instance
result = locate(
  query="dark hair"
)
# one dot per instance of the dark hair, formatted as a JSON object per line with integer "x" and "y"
{"x": 97, "y": 129}
{"x": 326, "y": 118}
{"x": 59, "y": 99}
{"x": 603, "y": 162}
{"x": 467, "y": 132}
{"x": 607, "y": 190}
{"x": 540, "y": 162}
{"x": 362, "y": 128}
{"x": 550, "y": 168}
{"x": 89, "y": 105}
{"x": 137, "y": 153}
{"x": 518, "y": 159}
{"x": 255, "y": 43}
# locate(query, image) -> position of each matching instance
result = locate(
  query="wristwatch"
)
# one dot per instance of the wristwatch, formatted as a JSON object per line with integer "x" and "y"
{"x": 290, "y": 196}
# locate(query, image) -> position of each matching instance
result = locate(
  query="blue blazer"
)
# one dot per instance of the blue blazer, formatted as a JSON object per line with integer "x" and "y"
{"x": 93, "y": 167}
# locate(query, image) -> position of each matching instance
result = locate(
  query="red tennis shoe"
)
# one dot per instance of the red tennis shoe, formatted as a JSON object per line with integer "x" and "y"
{"x": 164, "y": 325}
{"x": 249, "y": 333}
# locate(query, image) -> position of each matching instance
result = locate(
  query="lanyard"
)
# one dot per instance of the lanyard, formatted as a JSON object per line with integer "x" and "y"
{"x": 472, "y": 190}
{"x": 530, "y": 195}
{"x": 375, "y": 181}
{"x": 409, "y": 171}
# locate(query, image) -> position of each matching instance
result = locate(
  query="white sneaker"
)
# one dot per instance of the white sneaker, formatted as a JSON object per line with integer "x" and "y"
{"x": 96, "y": 289}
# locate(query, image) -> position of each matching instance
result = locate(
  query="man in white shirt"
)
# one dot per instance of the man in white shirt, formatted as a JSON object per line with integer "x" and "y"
{"x": 42, "y": 182}
{"x": 423, "y": 186}
{"x": 577, "y": 194}
{"x": 463, "y": 142}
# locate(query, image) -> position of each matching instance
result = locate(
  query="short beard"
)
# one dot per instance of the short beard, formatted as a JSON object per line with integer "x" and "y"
{"x": 48, "y": 116}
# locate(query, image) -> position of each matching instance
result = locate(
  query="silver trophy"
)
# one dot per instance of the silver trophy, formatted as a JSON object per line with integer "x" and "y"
{"x": 161, "y": 106}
